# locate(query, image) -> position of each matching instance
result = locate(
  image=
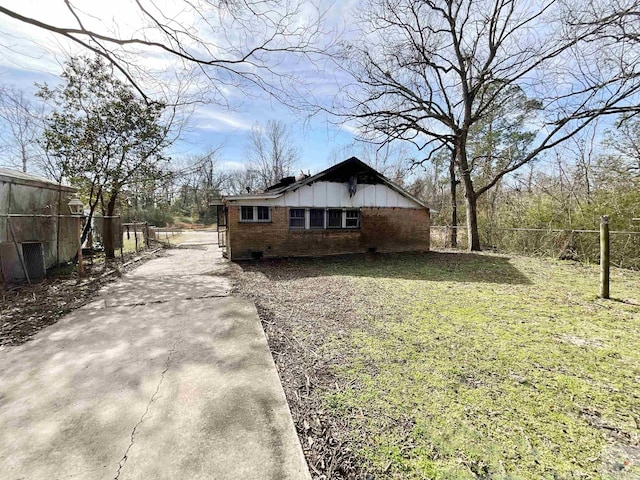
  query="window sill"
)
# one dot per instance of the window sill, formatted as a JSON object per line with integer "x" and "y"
{"x": 255, "y": 221}
{"x": 323, "y": 230}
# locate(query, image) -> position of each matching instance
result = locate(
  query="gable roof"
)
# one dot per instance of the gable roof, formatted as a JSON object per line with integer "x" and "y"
{"x": 340, "y": 173}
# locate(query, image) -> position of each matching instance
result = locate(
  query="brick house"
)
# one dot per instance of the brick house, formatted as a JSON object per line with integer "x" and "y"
{"x": 348, "y": 208}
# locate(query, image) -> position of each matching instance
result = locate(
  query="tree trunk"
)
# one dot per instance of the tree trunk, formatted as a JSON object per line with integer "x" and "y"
{"x": 472, "y": 222}
{"x": 471, "y": 200}
{"x": 108, "y": 232}
{"x": 454, "y": 202}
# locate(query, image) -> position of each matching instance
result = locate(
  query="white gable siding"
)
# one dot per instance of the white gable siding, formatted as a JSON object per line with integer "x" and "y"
{"x": 331, "y": 194}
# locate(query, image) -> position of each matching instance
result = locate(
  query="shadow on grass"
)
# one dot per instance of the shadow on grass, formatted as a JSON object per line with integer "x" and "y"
{"x": 430, "y": 266}
{"x": 626, "y": 301}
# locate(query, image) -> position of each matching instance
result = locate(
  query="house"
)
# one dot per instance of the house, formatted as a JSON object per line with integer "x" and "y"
{"x": 33, "y": 234}
{"x": 348, "y": 208}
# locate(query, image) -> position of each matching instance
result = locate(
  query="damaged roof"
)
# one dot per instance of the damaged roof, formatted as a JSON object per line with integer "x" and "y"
{"x": 342, "y": 172}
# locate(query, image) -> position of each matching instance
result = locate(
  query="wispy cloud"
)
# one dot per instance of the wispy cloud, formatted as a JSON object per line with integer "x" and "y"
{"x": 231, "y": 165}
{"x": 351, "y": 128}
{"x": 30, "y": 54}
{"x": 211, "y": 118}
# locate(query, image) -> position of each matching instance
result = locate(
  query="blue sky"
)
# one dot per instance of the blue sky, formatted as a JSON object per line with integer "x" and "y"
{"x": 29, "y": 55}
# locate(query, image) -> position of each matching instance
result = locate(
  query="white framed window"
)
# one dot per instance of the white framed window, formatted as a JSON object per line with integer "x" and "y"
{"x": 255, "y": 214}
{"x": 334, "y": 218}
{"x": 323, "y": 218}
{"x": 246, "y": 214}
{"x": 264, "y": 214}
{"x": 296, "y": 218}
{"x": 316, "y": 217}
{"x": 352, "y": 219}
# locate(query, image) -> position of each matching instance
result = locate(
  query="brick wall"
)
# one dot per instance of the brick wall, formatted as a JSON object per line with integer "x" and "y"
{"x": 396, "y": 229}
{"x": 385, "y": 229}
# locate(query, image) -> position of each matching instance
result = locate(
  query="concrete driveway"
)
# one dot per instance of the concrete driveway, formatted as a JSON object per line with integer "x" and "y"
{"x": 163, "y": 376}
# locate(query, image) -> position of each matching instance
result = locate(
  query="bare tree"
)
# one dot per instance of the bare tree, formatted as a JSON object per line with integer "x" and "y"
{"x": 429, "y": 71}
{"x": 615, "y": 20}
{"x": 272, "y": 152}
{"x": 231, "y": 43}
{"x": 239, "y": 181}
{"x": 624, "y": 143}
{"x": 198, "y": 180}
{"x": 22, "y": 126}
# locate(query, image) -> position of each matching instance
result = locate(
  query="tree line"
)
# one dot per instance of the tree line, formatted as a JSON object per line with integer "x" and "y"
{"x": 492, "y": 98}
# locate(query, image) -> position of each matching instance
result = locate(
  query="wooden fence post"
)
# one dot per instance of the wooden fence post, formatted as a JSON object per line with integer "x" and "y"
{"x": 604, "y": 256}
{"x": 135, "y": 234}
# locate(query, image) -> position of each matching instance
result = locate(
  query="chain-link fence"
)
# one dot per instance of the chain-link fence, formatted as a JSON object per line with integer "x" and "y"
{"x": 441, "y": 236}
{"x": 580, "y": 245}
{"x": 566, "y": 244}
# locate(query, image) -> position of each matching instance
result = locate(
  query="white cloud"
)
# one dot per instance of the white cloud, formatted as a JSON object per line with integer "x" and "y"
{"x": 351, "y": 128}
{"x": 210, "y": 118}
{"x": 231, "y": 165}
{"x": 25, "y": 49}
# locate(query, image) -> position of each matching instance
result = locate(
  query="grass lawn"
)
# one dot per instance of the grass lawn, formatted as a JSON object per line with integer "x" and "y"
{"x": 475, "y": 365}
{"x": 129, "y": 244}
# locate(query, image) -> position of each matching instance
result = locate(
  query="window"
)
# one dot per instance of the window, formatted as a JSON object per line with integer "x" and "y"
{"x": 296, "y": 218}
{"x": 246, "y": 214}
{"x": 353, "y": 219}
{"x": 264, "y": 214}
{"x": 334, "y": 218}
{"x": 316, "y": 218}
{"x": 255, "y": 214}
{"x": 320, "y": 218}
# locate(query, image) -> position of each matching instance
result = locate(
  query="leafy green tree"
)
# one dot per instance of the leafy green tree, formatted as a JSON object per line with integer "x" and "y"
{"x": 103, "y": 136}
{"x": 500, "y": 139}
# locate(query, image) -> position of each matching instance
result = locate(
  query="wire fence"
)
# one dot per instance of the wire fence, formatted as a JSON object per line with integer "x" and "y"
{"x": 565, "y": 244}
{"x": 441, "y": 236}
{"x": 138, "y": 236}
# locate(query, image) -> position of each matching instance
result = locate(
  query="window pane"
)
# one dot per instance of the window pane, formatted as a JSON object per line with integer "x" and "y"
{"x": 296, "y": 218}
{"x": 316, "y": 217}
{"x": 353, "y": 218}
{"x": 246, "y": 213}
{"x": 334, "y": 219}
{"x": 263, "y": 213}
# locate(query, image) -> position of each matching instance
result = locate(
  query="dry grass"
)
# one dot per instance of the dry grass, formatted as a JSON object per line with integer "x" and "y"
{"x": 452, "y": 365}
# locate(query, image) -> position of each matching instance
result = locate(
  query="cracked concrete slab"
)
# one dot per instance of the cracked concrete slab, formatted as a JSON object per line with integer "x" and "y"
{"x": 177, "y": 389}
{"x": 194, "y": 270}
{"x": 138, "y": 290}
